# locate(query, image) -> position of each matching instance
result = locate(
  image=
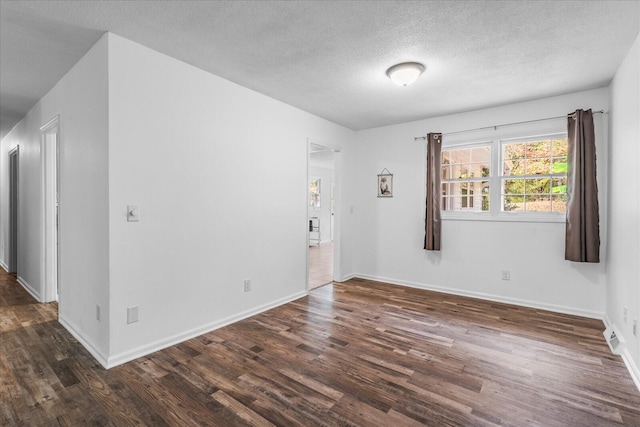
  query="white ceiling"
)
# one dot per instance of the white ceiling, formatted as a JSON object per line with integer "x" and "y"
{"x": 329, "y": 57}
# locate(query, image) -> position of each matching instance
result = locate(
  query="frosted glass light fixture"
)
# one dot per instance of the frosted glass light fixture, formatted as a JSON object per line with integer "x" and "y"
{"x": 406, "y": 73}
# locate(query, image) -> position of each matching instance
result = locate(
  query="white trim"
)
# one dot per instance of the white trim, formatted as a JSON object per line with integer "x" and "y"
{"x": 29, "y": 289}
{"x": 49, "y": 186}
{"x": 559, "y": 218}
{"x": 631, "y": 367}
{"x": 626, "y": 356}
{"x": 489, "y": 297}
{"x": 347, "y": 277}
{"x": 4, "y": 266}
{"x": 86, "y": 343}
{"x": 308, "y": 210}
{"x": 338, "y": 183}
{"x": 118, "y": 359}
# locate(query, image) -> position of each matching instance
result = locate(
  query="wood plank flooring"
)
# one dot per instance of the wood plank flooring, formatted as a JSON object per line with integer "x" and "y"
{"x": 358, "y": 353}
{"x": 320, "y": 265}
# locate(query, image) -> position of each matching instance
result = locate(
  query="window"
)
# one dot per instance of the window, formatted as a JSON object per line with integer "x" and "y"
{"x": 465, "y": 178}
{"x": 509, "y": 179}
{"x": 314, "y": 192}
{"x": 534, "y": 175}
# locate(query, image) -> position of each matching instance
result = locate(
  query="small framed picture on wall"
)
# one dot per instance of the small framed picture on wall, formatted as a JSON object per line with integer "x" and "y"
{"x": 385, "y": 185}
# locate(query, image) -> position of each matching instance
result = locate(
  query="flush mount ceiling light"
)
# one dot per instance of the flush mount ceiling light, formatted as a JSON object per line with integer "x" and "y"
{"x": 406, "y": 73}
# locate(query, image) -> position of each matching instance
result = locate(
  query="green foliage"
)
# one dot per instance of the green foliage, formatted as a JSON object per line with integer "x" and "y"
{"x": 559, "y": 167}
{"x": 529, "y": 159}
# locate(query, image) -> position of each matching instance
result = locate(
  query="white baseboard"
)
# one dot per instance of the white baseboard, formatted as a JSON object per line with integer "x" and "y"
{"x": 489, "y": 297}
{"x": 631, "y": 367}
{"x": 135, "y": 353}
{"x": 29, "y": 289}
{"x": 4, "y": 266}
{"x": 86, "y": 343}
{"x": 347, "y": 277}
{"x": 626, "y": 356}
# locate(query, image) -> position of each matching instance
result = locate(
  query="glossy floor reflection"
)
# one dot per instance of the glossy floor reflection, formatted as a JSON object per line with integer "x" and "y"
{"x": 357, "y": 353}
{"x": 320, "y": 265}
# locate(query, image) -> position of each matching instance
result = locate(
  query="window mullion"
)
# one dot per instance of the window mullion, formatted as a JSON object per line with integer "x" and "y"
{"x": 495, "y": 183}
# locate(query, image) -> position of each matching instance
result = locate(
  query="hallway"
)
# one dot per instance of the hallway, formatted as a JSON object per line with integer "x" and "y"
{"x": 320, "y": 265}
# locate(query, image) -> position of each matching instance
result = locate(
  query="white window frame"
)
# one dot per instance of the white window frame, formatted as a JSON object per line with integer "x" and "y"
{"x": 495, "y": 212}
{"x": 489, "y": 178}
{"x": 550, "y": 216}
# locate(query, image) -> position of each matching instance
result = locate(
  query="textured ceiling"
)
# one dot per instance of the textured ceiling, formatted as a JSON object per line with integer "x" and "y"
{"x": 329, "y": 57}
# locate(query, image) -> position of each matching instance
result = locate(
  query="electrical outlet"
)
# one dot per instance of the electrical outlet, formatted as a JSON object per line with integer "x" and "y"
{"x": 132, "y": 314}
{"x": 635, "y": 327}
{"x": 506, "y": 275}
{"x": 624, "y": 314}
{"x": 247, "y": 285}
{"x": 97, "y": 311}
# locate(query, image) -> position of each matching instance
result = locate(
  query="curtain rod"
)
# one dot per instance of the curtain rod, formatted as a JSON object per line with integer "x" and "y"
{"x": 506, "y": 124}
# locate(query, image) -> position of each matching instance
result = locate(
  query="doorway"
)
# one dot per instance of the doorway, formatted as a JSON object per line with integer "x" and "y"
{"x": 12, "y": 261}
{"x": 321, "y": 213}
{"x": 50, "y": 200}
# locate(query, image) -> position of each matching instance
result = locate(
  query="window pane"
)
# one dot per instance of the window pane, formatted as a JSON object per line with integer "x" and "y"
{"x": 478, "y": 186}
{"x": 460, "y": 155}
{"x": 455, "y": 189}
{"x": 538, "y": 149}
{"x": 460, "y": 171}
{"x": 479, "y": 170}
{"x": 513, "y": 203}
{"x": 455, "y": 202}
{"x": 559, "y": 203}
{"x": 559, "y": 185}
{"x": 485, "y": 203}
{"x": 559, "y": 165}
{"x": 513, "y": 186}
{"x": 560, "y": 147}
{"x": 507, "y": 167}
{"x": 445, "y": 204}
{"x": 537, "y": 203}
{"x": 446, "y": 158}
{"x": 446, "y": 172}
{"x": 537, "y": 186}
{"x": 513, "y": 151}
{"x": 481, "y": 154}
{"x": 542, "y": 158}
{"x": 537, "y": 166}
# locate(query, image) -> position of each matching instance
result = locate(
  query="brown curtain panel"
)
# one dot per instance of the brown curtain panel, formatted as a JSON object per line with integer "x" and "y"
{"x": 432, "y": 225}
{"x": 582, "y": 243}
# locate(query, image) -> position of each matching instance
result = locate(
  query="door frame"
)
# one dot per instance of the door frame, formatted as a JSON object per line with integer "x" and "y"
{"x": 49, "y": 153}
{"x": 337, "y": 178}
{"x": 14, "y": 217}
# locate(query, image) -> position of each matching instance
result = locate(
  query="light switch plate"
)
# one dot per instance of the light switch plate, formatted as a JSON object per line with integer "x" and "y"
{"x": 133, "y": 213}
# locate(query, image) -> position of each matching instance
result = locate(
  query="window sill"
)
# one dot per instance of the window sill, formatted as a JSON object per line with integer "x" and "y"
{"x": 502, "y": 217}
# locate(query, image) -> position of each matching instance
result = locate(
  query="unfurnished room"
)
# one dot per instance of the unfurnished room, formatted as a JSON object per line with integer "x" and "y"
{"x": 319, "y": 213}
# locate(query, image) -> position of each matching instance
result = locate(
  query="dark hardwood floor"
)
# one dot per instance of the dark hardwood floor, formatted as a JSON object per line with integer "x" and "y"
{"x": 357, "y": 353}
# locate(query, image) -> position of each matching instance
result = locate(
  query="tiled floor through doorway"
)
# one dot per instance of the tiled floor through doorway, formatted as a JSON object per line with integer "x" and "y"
{"x": 320, "y": 265}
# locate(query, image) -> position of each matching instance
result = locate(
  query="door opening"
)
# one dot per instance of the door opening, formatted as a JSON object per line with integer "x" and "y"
{"x": 321, "y": 261}
{"x": 12, "y": 259}
{"x": 50, "y": 200}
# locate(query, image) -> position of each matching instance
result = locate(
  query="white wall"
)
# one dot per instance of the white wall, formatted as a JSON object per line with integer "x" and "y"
{"x": 390, "y": 232}
{"x": 80, "y": 100}
{"x": 623, "y": 258}
{"x": 324, "y": 211}
{"x": 205, "y": 159}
